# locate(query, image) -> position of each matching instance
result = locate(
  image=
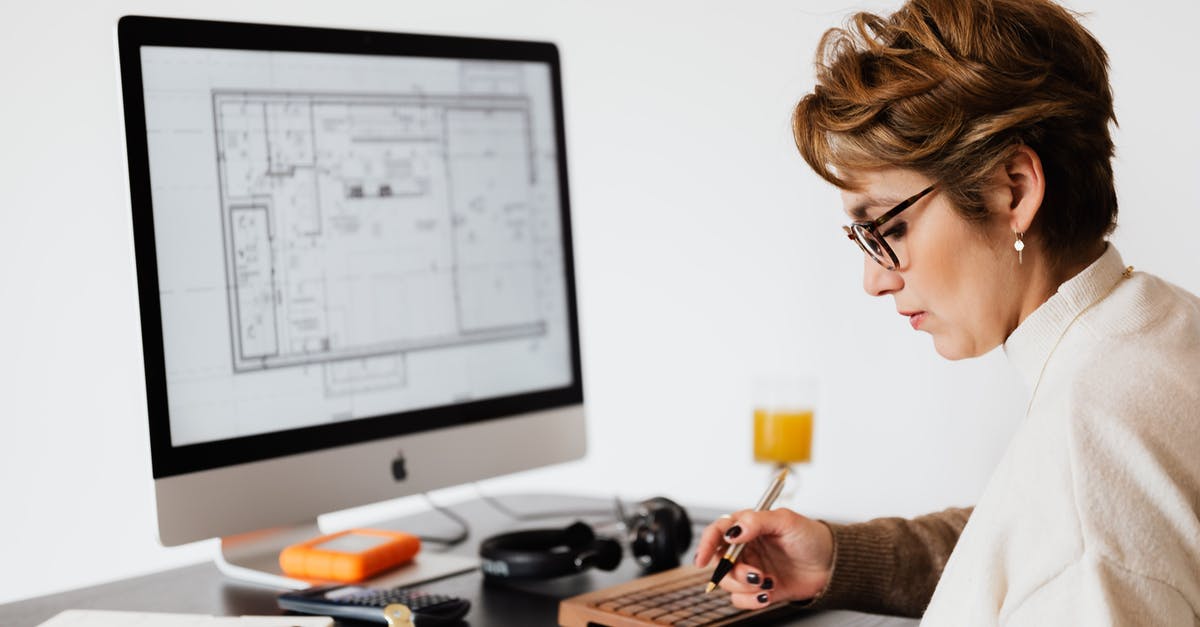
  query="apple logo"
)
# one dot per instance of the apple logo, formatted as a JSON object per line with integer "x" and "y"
{"x": 399, "y": 472}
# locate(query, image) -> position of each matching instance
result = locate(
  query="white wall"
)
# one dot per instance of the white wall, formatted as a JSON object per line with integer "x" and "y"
{"x": 706, "y": 252}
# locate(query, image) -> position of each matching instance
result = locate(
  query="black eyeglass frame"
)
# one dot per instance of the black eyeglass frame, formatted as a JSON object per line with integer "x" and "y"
{"x": 871, "y": 228}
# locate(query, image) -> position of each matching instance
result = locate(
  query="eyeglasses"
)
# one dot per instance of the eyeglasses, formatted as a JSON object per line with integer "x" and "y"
{"x": 866, "y": 234}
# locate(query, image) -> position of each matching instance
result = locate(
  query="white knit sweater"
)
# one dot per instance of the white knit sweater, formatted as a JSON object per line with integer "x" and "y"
{"x": 1092, "y": 517}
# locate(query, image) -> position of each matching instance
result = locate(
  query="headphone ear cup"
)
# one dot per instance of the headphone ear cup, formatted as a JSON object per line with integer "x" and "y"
{"x": 682, "y": 535}
{"x": 662, "y": 546}
{"x": 662, "y": 535}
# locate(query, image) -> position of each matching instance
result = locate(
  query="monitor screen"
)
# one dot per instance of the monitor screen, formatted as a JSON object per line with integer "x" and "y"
{"x": 343, "y": 236}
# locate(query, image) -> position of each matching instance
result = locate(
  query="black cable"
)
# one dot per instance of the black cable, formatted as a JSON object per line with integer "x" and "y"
{"x": 464, "y": 526}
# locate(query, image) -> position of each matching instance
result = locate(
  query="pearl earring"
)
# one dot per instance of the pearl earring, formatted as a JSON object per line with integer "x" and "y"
{"x": 1019, "y": 246}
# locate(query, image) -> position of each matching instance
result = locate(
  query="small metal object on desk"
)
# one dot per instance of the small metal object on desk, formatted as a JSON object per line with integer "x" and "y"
{"x": 398, "y": 615}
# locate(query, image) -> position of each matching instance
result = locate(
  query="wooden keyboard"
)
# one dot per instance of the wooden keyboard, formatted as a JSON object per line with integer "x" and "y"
{"x": 674, "y": 597}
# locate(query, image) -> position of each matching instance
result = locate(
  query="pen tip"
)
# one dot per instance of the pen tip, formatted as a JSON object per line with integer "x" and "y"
{"x": 709, "y": 588}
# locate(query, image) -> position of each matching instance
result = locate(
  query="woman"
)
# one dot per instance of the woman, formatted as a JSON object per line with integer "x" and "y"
{"x": 971, "y": 143}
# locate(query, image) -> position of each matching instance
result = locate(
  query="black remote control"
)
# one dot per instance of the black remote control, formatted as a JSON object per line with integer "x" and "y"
{"x": 359, "y": 603}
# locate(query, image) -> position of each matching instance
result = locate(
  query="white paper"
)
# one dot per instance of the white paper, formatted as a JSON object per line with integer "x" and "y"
{"x": 105, "y": 618}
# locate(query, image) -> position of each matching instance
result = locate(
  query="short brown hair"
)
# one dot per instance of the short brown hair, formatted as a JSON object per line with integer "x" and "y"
{"x": 949, "y": 88}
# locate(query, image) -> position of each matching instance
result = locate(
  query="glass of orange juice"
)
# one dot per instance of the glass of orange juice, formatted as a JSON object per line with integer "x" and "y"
{"x": 784, "y": 407}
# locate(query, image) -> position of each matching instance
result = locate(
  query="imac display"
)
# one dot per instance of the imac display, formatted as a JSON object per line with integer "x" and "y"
{"x": 354, "y": 266}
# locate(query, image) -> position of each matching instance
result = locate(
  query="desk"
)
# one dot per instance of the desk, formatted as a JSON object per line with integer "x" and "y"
{"x": 203, "y": 589}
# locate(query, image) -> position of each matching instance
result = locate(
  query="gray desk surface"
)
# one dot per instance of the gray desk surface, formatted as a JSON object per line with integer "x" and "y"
{"x": 203, "y": 589}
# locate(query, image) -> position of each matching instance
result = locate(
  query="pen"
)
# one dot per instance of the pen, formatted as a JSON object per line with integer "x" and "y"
{"x": 731, "y": 555}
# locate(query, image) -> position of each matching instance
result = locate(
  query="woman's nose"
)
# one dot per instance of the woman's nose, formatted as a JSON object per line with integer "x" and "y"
{"x": 879, "y": 281}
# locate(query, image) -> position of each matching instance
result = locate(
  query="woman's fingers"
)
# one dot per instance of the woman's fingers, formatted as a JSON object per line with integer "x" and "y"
{"x": 748, "y": 525}
{"x": 786, "y": 555}
{"x": 751, "y": 600}
{"x": 736, "y": 528}
{"x": 712, "y": 539}
{"x": 746, "y": 579}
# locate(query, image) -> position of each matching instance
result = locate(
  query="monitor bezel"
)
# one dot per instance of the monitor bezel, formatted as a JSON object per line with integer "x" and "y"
{"x": 135, "y": 32}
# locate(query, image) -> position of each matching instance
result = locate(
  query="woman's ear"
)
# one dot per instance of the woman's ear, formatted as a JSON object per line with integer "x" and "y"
{"x": 1023, "y": 187}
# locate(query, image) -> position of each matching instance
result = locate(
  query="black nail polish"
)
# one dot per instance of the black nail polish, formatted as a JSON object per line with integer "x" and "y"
{"x": 734, "y": 531}
{"x": 752, "y": 578}
{"x": 762, "y": 598}
{"x": 768, "y": 583}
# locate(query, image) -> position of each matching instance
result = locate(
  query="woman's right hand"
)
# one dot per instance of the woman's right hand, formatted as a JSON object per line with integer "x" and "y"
{"x": 788, "y": 557}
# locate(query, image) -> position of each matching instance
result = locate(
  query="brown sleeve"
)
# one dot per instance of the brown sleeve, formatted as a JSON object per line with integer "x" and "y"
{"x": 890, "y": 565}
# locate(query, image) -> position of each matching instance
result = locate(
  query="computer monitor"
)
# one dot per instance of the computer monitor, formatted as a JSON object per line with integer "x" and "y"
{"x": 354, "y": 268}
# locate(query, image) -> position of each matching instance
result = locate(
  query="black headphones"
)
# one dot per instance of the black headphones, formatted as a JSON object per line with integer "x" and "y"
{"x": 659, "y": 531}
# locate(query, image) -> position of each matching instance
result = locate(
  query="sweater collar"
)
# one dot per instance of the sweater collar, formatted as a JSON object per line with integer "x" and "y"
{"x": 1030, "y": 344}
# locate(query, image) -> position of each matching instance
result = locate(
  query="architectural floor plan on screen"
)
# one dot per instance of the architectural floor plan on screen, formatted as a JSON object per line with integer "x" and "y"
{"x": 360, "y": 227}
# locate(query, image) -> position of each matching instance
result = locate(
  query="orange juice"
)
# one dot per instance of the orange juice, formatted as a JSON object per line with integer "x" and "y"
{"x": 783, "y": 436}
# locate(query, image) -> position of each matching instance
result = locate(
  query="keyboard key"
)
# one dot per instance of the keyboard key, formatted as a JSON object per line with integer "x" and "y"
{"x": 727, "y": 611}
{"x": 673, "y": 618}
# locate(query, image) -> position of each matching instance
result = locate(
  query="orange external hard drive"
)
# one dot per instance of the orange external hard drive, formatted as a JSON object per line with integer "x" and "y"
{"x": 351, "y": 555}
